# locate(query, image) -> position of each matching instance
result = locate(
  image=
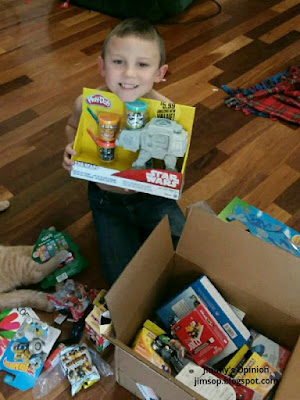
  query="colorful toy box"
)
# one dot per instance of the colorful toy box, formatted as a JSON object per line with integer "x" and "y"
{"x": 262, "y": 225}
{"x": 178, "y": 307}
{"x": 201, "y": 335}
{"x": 258, "y": 375}
{"x": 270, "y": 351}
{"x": 203, "y": 291}
{"x": 142, "y": 345}
{"x": 237, "y": 361}
{"x": 104, "y": 158}
{"x": 99, "y": 300}
{"x": 249, "y": 369}
{"x": 96, "y": 330}
{"x": 220, "y": 309}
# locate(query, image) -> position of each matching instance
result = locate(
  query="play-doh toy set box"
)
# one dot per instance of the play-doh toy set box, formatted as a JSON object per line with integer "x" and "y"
{"x": 141, "y": 145}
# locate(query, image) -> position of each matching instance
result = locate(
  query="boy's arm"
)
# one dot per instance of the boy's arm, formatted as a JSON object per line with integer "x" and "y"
{"x": 70, "y": 132}
{"x": 73, "y": 121}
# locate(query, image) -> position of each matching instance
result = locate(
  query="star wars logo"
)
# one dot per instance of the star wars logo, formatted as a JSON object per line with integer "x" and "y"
{"x": 98, "y": 100}
{"x": 162, "y": 178}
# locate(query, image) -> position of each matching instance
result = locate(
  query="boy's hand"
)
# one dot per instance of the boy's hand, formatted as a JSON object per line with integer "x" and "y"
{"x": 67, "y": 162}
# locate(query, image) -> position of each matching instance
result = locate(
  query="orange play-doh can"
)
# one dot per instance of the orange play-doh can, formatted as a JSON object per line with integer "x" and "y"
{"x": 108, "y": 125}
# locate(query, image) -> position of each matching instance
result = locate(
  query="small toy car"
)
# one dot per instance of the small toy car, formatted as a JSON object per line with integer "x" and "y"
{"x": 30, "y": 338}
{"x": 32, "y": 328}
{"x": 23, "y": 351}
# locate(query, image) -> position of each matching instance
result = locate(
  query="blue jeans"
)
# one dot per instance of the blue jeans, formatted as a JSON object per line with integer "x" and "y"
{"x": 124, "y": 221}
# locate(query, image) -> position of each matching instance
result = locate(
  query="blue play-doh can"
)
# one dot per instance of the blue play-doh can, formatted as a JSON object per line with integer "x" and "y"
{"x": 135, "y": 114}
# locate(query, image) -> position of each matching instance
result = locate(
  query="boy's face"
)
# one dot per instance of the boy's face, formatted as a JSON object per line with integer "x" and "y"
{"x": 131, "y": 66}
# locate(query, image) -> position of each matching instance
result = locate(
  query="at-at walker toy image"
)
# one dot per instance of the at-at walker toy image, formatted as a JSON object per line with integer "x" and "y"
{"x": 160, "y": 138}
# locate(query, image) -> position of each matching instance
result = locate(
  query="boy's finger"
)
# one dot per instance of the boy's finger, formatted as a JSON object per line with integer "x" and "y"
{"x": 70, "y": 151}
{"x": 67, "y": 159}
{"x": 70, "y": 146}
{"x": 68, "y": 154}
{"x": 67, "y": 167}
{"x": 68, "y": 162}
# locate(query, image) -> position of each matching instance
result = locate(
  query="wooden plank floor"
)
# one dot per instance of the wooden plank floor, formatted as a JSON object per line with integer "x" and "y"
{"x": 47, "y": 55}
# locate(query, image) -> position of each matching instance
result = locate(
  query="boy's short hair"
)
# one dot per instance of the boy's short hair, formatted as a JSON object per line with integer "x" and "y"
{"x": 137, "y": 27}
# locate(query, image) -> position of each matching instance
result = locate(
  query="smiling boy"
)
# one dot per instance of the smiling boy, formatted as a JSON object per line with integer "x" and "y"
{"x": 131, "y": 61}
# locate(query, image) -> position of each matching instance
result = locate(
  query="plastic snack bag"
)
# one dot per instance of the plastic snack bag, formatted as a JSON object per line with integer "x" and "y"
{"x": 77, "y": 365}
{"x": 103, "y": 367}
{"x": 50, "y": 243}
{"x": 72, "y": 296}
{"x": 53, "y": 376}
{"x": 48, "y": 381}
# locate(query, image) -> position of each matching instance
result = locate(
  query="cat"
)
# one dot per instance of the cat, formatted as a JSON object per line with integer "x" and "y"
{"x": 18, "y": 269}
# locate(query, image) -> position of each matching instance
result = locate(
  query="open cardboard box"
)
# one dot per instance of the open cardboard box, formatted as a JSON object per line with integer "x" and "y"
{"x": 260, "y": 279}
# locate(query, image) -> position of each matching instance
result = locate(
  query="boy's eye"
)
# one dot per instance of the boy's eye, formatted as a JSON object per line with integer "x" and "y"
{"x": 117, "y": 61}
{"x": 141, "y": 64}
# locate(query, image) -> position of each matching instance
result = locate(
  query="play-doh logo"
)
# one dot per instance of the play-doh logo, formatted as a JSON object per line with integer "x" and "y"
{"x": 162, "y": 178}
{"x": 98, "y": 100}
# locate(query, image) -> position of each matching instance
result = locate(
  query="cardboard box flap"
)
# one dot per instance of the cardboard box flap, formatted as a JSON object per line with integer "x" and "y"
{"x": 289, "y": 387}
{"x": 133, "y": 366}
{"x": 249, "y": 262}
{"x": 137, "y": 282}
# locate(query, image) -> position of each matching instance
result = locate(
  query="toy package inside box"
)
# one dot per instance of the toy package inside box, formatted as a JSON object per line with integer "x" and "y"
{"x": 262, "y": 225}
{"x": 50, "y": 243}
{"x": 201, "y": 335}
{"x": 276, "y": 355}
{"x": 249, "y": 369}
{"x": 204, "y": 383}
{"x": 143, "y": 344}
{"x": 142, "y": 145}
{"x": 26, "y": 353}
{"x": 202, "y": 291}
{"x": 257, "y": 374}
{"x": 242, "y": 392}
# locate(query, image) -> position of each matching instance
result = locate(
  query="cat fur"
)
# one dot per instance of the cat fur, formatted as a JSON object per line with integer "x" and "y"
{"x": 18, "y": 269}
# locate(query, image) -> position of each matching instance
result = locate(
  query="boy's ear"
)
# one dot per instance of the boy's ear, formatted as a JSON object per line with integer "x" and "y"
{"x": 101, "y": 66}
{"x": 161, "y": 73}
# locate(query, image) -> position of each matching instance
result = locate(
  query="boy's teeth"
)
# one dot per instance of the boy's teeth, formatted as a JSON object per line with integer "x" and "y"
{"x": 125, "y": 86}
